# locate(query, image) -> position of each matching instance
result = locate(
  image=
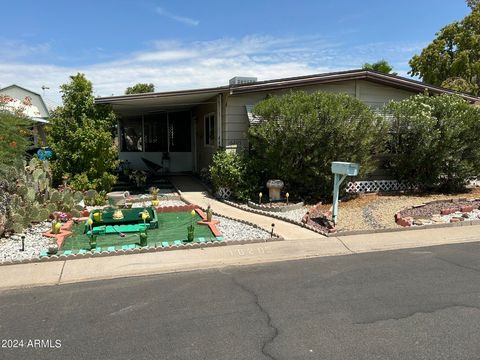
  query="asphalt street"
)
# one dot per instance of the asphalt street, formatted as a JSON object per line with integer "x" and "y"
{"x": 422, "y": 303}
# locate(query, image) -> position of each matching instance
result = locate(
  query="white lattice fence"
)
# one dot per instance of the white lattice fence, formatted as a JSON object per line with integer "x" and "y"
{"x": 375, "y": 186}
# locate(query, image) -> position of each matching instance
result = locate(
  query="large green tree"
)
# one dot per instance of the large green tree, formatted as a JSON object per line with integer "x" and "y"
{"x": 452, "y": 60}
{"x": 140, "y": 88}
{"x": 473, "y": 3}
{"x": 81, "y": 136}
{"x": 380, "y": 66}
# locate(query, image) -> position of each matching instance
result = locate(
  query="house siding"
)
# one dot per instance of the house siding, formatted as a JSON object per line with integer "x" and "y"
{"x": 237, "y": 124}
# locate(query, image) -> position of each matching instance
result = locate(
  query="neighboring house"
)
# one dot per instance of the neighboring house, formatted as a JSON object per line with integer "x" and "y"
{"x": 17, "y": 99}
{"x": 189, "y": 126}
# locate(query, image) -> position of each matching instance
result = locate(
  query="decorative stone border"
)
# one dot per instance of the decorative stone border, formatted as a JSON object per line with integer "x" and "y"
{"x": 272, "y": 215}
{"x": 269, "y": 208}
{"x": 408, "y": 221}
{"x": 327, "y": 215}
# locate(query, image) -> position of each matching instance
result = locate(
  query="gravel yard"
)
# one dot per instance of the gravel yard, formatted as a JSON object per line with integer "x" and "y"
{"x": 235, "y": 230}
{"x": 35, "y": 243}
{"x": 373, "y": 211}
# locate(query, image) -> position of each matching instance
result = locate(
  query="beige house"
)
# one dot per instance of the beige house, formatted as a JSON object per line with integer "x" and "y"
{"x": 181, "y": 130}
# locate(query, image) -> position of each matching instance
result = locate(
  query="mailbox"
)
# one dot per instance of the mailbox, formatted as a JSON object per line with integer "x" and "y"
{"x": 340, "y": 171}
{"x": 345, "y": 168}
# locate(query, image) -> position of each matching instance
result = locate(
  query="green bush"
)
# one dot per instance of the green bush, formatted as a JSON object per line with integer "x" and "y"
{"x": 302, "y": 133}
{"x": 434, "y": 143}
{"x": 228, "y": 170}
{"x": 81, "y": 136}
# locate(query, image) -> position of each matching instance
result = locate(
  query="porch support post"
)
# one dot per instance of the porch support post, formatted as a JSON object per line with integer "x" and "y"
{"x": 219, "y": 120}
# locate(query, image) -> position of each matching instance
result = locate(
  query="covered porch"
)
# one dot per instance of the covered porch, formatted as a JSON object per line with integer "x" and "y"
{"x": 179, "y": 131}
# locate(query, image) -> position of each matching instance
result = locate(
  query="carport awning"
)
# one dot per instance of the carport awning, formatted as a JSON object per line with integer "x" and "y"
{"x": 153, "y": 102}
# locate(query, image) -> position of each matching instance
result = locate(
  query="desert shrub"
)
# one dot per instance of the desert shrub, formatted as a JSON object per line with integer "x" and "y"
{"x": 434, "y": 142}
{"x": 81, "y": 136}
{"x": 302, "y": 133}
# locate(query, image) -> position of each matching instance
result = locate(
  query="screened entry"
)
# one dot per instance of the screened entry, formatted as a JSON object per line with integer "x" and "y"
{"x": 157, "y": 136}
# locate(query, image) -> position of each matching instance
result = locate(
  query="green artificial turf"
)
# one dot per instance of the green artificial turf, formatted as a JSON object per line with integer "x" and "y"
{"x": 172, "y": 229}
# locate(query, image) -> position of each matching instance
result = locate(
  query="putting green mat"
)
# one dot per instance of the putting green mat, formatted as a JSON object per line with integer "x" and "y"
{"x": 172, "y": 229}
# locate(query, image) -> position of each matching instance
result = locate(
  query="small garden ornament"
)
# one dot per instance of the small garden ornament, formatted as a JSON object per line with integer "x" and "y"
{"x": 145, "y": 217}
{"x": 154, "y": 192}
{"x": 143, "y": 238}
{"x": 93, "y": 239}
{"x": 209, "y": 214}
{"x": 191, "y": 228}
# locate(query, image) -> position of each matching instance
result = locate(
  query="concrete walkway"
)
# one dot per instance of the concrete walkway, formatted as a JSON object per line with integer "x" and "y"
{"x": 61, "y": 272}
{"x": 194, "y": 192}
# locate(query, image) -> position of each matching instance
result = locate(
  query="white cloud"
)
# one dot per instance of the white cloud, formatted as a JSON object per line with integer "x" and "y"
{"x": 173, "y": 65}
{"x": 180, "y": 19}
{"x": 12, "y": 49}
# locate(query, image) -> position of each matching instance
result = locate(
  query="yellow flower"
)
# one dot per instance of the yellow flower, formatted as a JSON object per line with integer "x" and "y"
{"x": 287, "y": 195}
{"x": 89, "y": 221}
{"x": 145, "y": 215}
{"x": 193, "y": 213}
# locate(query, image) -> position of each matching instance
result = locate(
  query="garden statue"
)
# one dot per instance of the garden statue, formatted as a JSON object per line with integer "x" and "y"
{"x": 274, "y": 189}
{"x": 209, "y": 213}
{"x": 117, "y": 198}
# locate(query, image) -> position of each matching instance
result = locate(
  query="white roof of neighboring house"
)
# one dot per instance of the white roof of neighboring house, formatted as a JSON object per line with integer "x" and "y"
{"x": 15, "y": 98}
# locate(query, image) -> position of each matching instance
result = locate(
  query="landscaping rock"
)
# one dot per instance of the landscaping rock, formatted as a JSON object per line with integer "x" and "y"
{"x": 35, "y": 243}
{"x": 466, "y": 209}
{"x": 447, "y": 211}
{"x": 235, "y": 230}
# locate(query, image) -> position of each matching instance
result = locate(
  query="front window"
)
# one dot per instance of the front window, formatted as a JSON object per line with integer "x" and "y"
{"x": 209, "y": 129}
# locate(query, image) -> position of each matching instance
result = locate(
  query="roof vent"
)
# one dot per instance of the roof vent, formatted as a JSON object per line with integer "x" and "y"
{"x": 242, "y": 80}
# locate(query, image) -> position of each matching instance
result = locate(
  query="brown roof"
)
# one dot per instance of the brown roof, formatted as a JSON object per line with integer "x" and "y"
{"x": 325, "y": 78}
{"x": 292, "y": 82}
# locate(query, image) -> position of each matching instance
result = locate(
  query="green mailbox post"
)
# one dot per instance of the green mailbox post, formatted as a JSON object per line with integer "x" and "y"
{"x": 340, "y": 171}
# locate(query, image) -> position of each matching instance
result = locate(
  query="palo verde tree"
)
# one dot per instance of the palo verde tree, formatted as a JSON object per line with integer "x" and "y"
{"x": 140, "y": 88}
{"x": 452, "y": 60}
{"x": 302, "y": 133}
{"x": 81, "y": 136}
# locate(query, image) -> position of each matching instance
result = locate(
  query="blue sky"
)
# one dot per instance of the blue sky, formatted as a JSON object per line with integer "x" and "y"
{"x": 185, "y": 44}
